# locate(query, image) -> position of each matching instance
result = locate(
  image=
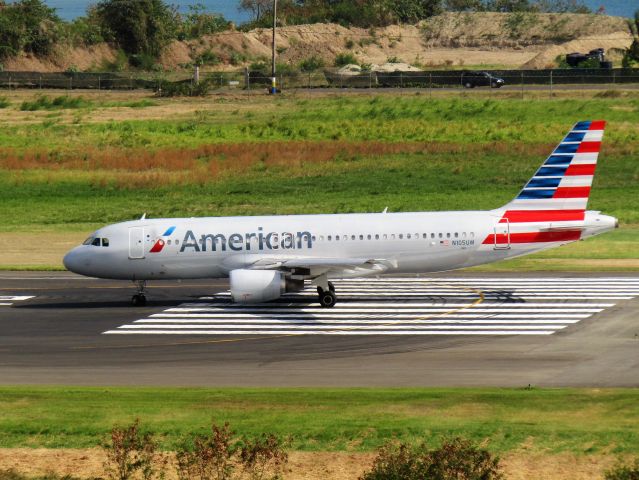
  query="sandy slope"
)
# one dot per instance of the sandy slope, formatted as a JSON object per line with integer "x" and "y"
{"x": 508, "y": 40}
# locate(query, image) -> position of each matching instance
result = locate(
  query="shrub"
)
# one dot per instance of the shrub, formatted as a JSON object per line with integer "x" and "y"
{"x": 457, "y": 458}
{"x": 311, "y": 64}
{"x": 210, "y": 457}
{"x": 4, "y": 103}
{"x": 207, "y": 57}
{"x": 623, "y": 472}
{"x": 349, "y": 43}
{"x": 183, "y": 89}
{"x": 44, "y": 102}
{"x": 129, "y": 452}
{"x": 263, "y": 458}
{"x": 344, "y": 59}
{"x": 198, "y": 22}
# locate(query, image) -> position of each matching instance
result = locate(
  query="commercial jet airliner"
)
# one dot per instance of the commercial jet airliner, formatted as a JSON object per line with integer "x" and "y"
{"x": 267, "y": 256}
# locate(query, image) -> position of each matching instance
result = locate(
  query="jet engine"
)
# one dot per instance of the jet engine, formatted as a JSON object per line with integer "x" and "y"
{"x": 254, "y": 286}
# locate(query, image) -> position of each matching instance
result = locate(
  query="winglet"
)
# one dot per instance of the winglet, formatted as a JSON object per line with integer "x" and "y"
{"x": 143, "y": 217}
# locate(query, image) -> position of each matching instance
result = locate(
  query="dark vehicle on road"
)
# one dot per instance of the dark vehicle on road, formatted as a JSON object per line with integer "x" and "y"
{"x": 481, "y": 79}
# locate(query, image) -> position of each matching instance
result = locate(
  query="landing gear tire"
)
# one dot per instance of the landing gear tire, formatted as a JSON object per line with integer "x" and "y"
{"x": 138, "y": 300}
{"x": 327, "y": 299}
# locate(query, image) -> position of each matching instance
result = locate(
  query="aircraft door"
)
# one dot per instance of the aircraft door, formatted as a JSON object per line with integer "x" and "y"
{"x": 501, "y": 238}
{"x": 136, "y": 242}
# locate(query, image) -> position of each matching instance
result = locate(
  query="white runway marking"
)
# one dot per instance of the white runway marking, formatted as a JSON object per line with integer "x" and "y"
{"x": 7, "y": 300}
{"x": 402, "y": 306}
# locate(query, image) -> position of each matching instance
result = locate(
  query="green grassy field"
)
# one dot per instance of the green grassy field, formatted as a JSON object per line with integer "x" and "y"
{"x": 549, "y": 421}
{"x": 72, "y": 170}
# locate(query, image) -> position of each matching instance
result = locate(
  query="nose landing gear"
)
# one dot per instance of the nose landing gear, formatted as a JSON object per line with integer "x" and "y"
{"x": 139, "y": 299}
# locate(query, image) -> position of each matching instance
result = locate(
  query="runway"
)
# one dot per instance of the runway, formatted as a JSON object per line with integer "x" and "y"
{"x": 444, "y": 330}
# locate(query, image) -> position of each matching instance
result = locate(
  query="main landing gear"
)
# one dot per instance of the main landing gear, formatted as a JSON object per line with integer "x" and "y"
{"x": 327, "y": 298}
{"x": 139, "y": 299}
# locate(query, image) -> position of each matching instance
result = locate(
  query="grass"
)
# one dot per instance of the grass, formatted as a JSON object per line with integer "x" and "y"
{"x": 242, "y": 155}
{"x": 44, "y": 102}
{"x": 548, "y": 420}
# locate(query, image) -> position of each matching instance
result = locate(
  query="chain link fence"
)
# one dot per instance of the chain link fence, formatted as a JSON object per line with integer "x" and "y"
{"x": 257, "y": 81}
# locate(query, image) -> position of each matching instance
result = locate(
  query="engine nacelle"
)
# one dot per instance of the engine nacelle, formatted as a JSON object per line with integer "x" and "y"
{"x": 254, "y": 286}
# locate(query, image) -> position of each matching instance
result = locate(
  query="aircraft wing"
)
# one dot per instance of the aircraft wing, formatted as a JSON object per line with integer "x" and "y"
{"x": 318, "y": 265}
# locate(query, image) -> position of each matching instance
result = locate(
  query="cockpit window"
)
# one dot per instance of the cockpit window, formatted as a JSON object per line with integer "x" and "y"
{"x": 105, "y": 242}
{"x": 96, "y": 242}
{"x": 88, "y": 241}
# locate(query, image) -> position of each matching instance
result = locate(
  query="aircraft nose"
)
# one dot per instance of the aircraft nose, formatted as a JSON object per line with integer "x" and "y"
{"x": 73, "y": 260}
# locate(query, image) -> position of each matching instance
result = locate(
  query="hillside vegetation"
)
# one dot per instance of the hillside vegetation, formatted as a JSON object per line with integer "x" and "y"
{"x": 149, "y": 35}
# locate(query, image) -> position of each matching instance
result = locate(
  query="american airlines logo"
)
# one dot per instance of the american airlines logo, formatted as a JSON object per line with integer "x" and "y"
{"x": 159, "y": 244}
{"x": 257, "y": 241}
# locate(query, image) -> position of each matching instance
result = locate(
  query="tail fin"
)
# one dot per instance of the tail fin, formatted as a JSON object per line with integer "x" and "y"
{"x": 562, "y": 184}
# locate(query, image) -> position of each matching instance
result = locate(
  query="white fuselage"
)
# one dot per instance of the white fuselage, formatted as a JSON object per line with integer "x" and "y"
{"x": 402, "y": 242}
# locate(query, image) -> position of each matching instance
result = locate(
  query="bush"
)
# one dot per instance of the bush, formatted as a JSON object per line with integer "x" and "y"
{"x": 130, "y": 453}
{"x": 457, "y": 458}
{"x": 311, "y": 64}
{"x": 344, "y": 59}
{"x": 207, "y": 57}
{"x": 4, "y": 103}
{"x": 44, "y": 102}
{"x": 624, "y": 472}
{"x": 183, "y": 89}
{"x": 263, "y": 458}
{"x": 210, "y": 457}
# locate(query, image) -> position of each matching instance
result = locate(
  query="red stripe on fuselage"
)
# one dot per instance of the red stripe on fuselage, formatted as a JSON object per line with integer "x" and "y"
{"x": 520, "y": 216}
{"x": 589, "y": 147}
{"x": 585, "y": 169}
{"x": 572, "y": 192}
{"x": 534, "y": 237}
{"x": 597, "y": 125}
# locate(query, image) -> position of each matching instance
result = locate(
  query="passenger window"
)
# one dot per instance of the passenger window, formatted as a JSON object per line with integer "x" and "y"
{"x": 463, "y": 234}
{"x": 401, "y": 236}
{"x": 352, "y": 237}
{"x": 472, "y": 234}
{"x": 361, "y": 237}
{"x": 321, "y": 238}
{"x": 177, "y": 242}
{"x": 385, "y": 237}
{"x": 329, "y": 238}
{"x": 448, "y": 235}
{"x": 393, "y": 236}
{"x": 432, "y": 235}
{"x": 369, "y": 237}
{"x": 313, "y": 238}
{"x": 425, "y": 235}
{"x": 105, "y": 242}
{"x": 377, "y": 236}
{"x": 169, "y": 241}
{"x": 336, "y": 237}
{"x": 408, "y": 235}
{"x": 96, "y": 242}
{"x": 441, "y": 235}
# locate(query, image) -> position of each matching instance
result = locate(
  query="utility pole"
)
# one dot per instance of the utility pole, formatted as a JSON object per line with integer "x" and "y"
{"x": 273, "y": 79}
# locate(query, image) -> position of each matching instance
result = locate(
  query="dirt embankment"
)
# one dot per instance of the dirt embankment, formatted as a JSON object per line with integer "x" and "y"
{"x": 451, "y": 39}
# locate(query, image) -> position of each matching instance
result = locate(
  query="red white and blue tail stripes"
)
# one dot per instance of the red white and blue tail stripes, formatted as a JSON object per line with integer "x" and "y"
{"x": 552, "y": 206}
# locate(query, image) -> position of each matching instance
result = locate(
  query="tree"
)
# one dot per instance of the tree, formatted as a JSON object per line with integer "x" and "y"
{"x": 140, "y": 27}
{"x": 257, "y": 8}
{"x": 27, "y": 25}
{"x": 631, "y": 57}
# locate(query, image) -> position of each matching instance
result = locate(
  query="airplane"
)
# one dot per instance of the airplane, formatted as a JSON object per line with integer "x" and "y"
{"x": 267, "y": 256}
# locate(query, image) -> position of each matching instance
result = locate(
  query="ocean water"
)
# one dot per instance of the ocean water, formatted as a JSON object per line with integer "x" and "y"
{"x": 69, "y": 9}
